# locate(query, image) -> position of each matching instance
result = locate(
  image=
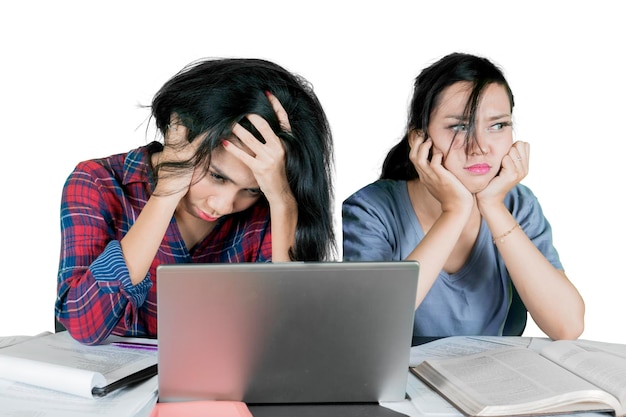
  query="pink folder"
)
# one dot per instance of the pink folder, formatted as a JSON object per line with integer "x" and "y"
{"x": 201, "y": 409}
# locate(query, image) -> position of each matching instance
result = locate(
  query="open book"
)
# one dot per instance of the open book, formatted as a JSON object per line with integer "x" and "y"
{"x": 563, "y": 377}
{"x": 56, "y": 361}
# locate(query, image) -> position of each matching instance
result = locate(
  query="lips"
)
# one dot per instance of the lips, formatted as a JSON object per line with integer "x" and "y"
{"x": 478, "y": 168}
{"x": 206, "y": 217}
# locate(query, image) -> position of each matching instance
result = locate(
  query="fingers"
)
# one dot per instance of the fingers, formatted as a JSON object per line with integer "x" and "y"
{"x": 416, "y": 150}
{"x": 283, "y": 117}
{"x": 523, "y": 149}
{"x": 422, "y": 153}
{"x": 266, "y": 160}
{"x": 176, "y": 133}
{"x": 178, "y": 146}
{"x": 272, "y": 145}
{"x": 271, "y": 139}
{"x": 515, "y": 164}
{"x": 239, "y": 153}
{"x": 519, "y": 154}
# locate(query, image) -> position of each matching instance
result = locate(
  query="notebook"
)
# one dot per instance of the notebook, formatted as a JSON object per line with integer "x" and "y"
{"x": 285, "y": 333}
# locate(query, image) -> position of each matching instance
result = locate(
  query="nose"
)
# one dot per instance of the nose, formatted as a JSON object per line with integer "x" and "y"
{"x": 223, "y": 204}
{"x": 477, "y": 145}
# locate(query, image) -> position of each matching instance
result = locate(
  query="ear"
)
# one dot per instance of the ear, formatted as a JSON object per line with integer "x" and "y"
{"x": 415, "y": 134}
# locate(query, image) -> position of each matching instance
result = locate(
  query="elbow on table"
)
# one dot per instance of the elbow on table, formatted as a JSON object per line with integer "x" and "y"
{"x": 570, "y": 329}
{"x": 78, "y": 333}
{"x": 570, "y": 332}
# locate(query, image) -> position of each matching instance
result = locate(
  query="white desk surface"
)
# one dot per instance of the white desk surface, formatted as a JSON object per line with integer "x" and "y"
{"x": 423, "y": 401}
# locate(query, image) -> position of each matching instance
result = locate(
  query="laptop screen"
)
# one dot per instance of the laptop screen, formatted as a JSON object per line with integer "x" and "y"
{"x": 285, "y": 332}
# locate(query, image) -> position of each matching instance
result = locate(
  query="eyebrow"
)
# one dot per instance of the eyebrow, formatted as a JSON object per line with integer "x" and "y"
{"x": 491, "y": 118}
{"x": 499, "y": 116}
{"x": 227, "y": 178}
{"x": 455, "y": 117}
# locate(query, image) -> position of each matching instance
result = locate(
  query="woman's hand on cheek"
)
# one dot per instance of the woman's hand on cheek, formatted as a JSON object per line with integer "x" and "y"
{"x": 440, "y": 182}
{"x": 513, "y": 170}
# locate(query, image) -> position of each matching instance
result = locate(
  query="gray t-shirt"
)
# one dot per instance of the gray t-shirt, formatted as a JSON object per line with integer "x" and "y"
{"x": 379, "y": 224}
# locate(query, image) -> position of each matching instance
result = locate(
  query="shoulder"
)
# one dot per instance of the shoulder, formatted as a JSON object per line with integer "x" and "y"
{"x": 380, "y": 190}
{"x": 526, "y": 209}
{"x": 521, "y": 200}
{"x": 522, "y": 192}
{"x": 123, "y": 167}
{"x": 383, "y": 201}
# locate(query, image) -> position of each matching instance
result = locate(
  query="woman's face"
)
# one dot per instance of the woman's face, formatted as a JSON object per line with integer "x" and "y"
{"x": 228, "y": 187}
{"x": 494, "y": 135}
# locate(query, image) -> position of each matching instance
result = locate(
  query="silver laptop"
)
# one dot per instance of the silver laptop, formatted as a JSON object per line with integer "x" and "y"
{"x": 285, "y": 332}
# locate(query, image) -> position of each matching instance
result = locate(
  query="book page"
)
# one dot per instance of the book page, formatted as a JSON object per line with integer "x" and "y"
{"x": 612, "y": 348}
{"x": 19, "y": 399}
{"x": 60, "y": 362}
{"x": 603, "y": 369}
{"x": 453, "y": 346}
{"x": 48, "y": 375}
{"x": 6, "y": 341}
{"x": 507, "y": 381}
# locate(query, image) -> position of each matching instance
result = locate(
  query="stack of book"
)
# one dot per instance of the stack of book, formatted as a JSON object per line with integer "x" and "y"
{"x": 54, "y": 375}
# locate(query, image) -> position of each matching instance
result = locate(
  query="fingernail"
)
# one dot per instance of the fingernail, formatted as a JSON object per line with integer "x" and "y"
{"x": 225, "y": 143}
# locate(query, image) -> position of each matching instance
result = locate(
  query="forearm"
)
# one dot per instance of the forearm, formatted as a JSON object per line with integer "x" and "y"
{"x": 551, "y": 299}
{"x": 89, "y": 312}
{"x": 141, "y": 243}
{"x": 93, "y": 296}
{"x": 284, "y": 219}
{"x": 434, "y": 250}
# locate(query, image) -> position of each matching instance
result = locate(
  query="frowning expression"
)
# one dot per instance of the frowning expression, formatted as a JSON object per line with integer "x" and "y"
{"x": 493, "y": 133}
{"x": 228, "y": 187}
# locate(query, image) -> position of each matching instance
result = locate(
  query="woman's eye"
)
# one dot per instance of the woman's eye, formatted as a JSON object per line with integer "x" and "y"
{"x": 461, "y": 127}
{"x": 217, "y": 177}
{"x": 254, "y": 192}
{"x": 500, "y": 126}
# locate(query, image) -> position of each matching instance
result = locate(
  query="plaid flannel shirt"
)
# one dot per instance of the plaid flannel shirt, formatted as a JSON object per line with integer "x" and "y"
{"x": 101, "y": 200}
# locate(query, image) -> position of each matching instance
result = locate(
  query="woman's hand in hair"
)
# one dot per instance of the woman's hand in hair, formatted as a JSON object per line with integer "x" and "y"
{"x": 513, "y": 170}
{"x": 441, "y": 183}
{"x": 267, "y": 161}
{"x": 176, "y": 160}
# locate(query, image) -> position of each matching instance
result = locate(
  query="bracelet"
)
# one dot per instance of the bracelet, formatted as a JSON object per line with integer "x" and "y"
{"x": 501, "y": 237}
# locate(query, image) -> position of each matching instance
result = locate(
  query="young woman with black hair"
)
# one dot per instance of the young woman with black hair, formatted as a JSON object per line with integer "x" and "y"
{"x": 450, "y": 197}
{"x": 243, "y": 175}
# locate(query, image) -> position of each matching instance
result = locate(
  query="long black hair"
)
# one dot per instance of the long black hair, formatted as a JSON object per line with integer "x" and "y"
{"x": 211, "y": 95}
{"x": 428, "y": 87}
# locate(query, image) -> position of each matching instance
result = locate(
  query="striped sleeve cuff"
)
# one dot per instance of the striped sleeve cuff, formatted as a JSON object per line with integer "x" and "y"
{"x": 111, "y": 275}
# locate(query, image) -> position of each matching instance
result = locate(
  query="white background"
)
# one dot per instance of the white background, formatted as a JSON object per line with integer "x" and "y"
{"x": 73, "y": 74}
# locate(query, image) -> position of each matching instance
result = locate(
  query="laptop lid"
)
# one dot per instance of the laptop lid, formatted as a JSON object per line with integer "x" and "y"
{"x": 285, "y": 332}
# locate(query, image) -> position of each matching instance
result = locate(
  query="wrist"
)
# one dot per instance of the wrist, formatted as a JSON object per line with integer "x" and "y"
{"x": 285, "y": 208}
{"x": 500, "y": 238}
{"x": 491, "y": 207}
{"x": 283, "y": 200}
{"x": 460, "y": 211}
{"x": 164, "y": 203}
